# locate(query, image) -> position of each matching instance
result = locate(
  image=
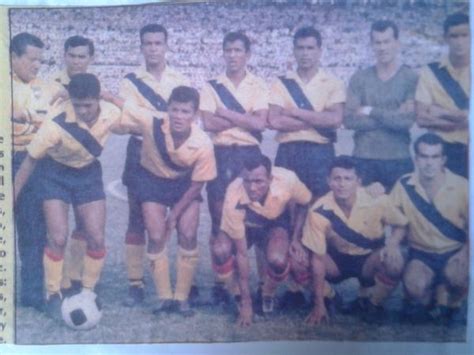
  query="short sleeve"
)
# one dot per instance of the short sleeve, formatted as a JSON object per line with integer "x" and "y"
{"x": 337, "y": 94}
{"x": 314, "y": 232}
{"x": 300, "y": 193}
{"x": 396, "y": 196}
{"x": 207, "y": 99}
{"x": 423, "y": 91}
{"x": 391, "y": 214}
{"x": 232, "y": 222}
{"x": 276, "y": 95}
{"x": 205, "y": 167}
{"x": 47, "y": 137}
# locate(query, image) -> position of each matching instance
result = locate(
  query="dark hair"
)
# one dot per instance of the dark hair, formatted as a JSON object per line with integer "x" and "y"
{"x": 256, "y": 160}
{"x": 153, "y": 28}
{"x": 236, "y": 36}
{"x": 455, "y": 19}
{"x": 430, "y": 139}
{"x": 305, "y": 32}
{"x": 344, "y": 162}
{"x": 382, "y": 26}
{"x": 84, "y": 86}
{"x": 78, "y": 41}
{"x": 185, "y": 94}
{"x": 19, "y": 43}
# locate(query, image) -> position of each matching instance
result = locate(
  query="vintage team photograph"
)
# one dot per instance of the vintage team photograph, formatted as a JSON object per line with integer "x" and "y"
{"x": 230, "y": 171}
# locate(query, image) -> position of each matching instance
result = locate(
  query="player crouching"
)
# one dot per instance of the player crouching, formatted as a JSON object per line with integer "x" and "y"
{"x": 343, "y": 237}
{"x": 256, "y": 211}
{"x": 70, "y": 144}
{"x": 435, "y": 201}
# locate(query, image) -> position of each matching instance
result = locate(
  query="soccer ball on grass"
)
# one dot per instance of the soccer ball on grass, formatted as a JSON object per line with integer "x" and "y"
{"x": 81, "y": 311}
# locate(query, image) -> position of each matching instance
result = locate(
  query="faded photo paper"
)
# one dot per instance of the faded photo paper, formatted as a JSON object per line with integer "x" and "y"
{"x": 235, "y": 171}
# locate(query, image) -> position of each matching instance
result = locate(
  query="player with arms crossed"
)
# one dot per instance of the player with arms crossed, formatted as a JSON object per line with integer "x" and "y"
{"x": 343, "y": 237}
{"x": 69, "y": 145}
{"x": 380, "y": 108}
{"x": 435, "y": 201}
{"x": 442, "y": 95}
{"x": 234, "y": 109}
{"x": 257, "y": 211}
{"x": 177, "y": 159}
{"x": 31, "y": 106}
{"x": 149, "y": 87}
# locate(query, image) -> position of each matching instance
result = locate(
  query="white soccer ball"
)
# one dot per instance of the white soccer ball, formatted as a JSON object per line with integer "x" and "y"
{"x": 81, "y": 311}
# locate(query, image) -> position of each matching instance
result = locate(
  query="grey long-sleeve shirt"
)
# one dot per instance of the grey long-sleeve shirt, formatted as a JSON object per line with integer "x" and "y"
{"x": 384, "y": 134}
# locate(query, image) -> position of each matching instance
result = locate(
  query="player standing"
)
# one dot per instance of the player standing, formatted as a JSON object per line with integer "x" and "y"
{"x": 442, "y": 95}
{"x": 380, "y": 109}
{"x": 68, "y": 146}
{"x": 234, "y": 108}
{"x": 31, "y": 106}
{"x": 149, "y": 87}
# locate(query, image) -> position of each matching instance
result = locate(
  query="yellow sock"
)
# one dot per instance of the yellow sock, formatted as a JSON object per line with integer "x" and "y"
{"x": 161, "y": 274}
{"x": 53, "y": 270}
{"x": 93, "y": 264}
{"x": 185, "y": 266}
{"x": 382, "y": 289}
{"x": 134, "y": 255}
{"x": 74, "y": 260}
{"x": 328, "y": 290}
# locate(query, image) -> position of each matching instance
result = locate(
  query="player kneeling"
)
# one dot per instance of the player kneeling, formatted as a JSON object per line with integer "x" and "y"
{"x": 70, "y": 144}
{"x": 256, "y": 211}
{"x": 343, "y": 237}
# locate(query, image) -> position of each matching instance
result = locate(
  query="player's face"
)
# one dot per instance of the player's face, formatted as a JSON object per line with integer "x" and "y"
{"x": 235, "y": 56}
{"x": 459, "y": 40}
{"x": 430, "y": 160}
{"x": 87, "y": 110}
{"x": 77, "y": 59}
{"x": 343, "y": 183}
{"x": 307, "y": 53}
{"x": 256, "y": 183}
{"x": 385, "y": 46}
{"x": 154, "y": 47}
{"x": 181, "y": 116}
{"x": 27, "y": 65}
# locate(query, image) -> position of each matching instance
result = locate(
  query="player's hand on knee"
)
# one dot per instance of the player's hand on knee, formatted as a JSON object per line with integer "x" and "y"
{"x": 245, "y": 315}
{"x": 392, "y": 259}
{"x": 317, "y": 316}
{"x": 297, "y": 252}
{"x": 375, "y": 189}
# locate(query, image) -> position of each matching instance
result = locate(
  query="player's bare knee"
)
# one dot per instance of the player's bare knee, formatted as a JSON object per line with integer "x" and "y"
{"x": 457, "y": 279}
{"x": 187, "y": 241}
{"x": 394, "y": 268}
{"x": 415, "y": 285}
{"x": 221, "y": 250}
{"x": 277, "y": 261}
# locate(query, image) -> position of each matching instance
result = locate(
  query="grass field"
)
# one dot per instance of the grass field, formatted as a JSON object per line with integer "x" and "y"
{"x": 209, "y": 324}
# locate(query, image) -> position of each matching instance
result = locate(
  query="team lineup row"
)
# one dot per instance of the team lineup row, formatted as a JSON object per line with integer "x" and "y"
{"x": 308, "y": 216}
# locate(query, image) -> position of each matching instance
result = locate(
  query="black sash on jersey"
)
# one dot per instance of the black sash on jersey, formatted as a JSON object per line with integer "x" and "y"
{"x": 429, "y": 211}
{"x": 302, "y": 102}
{"x": 160, "y": 143}
{"x": 348, "y": 233}
{"x": 81, "y": 135}
{"x": 148, "y": 93}
{"x": 451, "y": 86}
{"x": 231, "y": 103}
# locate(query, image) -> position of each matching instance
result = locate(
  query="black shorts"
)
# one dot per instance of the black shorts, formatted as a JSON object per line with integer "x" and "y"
{"x": 348, "y": 265}
{"x": 229, "y": 162}
{"x": 310, "y": 162}
{"x": 132, "y": 163}
{"x": 71, "y": 185}
{"x": 164, "y": 191}
{"x": 436, "y": 262}
{"x": 387, "y": 172}
{"x": 257, "y": 228}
